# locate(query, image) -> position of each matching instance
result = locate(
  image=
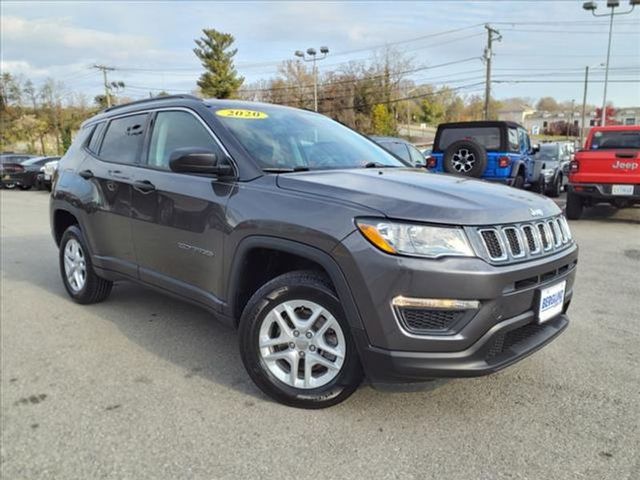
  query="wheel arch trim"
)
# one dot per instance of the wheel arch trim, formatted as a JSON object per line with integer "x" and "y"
{"x": 311, "y": 253}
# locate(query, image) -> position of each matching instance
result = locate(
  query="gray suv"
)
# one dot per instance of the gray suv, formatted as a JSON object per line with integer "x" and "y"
{"x": 333, "y": 258}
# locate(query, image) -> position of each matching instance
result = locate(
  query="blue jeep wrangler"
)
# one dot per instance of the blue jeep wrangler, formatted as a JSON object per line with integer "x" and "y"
{"x": 492, "y": 150}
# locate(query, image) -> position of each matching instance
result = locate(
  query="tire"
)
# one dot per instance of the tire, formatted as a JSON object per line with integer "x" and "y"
{"x": 9, "y": 186}
{"x": 269, "y": 318}
{"x": 518, "y": 182}
{"x": 556, "y": 188}
{"x": 86, "y": 287}
{"x": 466, "y": 158}
{"x": 25, "y": 187}
{"x": 574, "y": 207}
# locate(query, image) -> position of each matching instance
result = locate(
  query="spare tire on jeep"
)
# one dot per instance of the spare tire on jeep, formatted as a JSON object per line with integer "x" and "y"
{"x": 465, "y": 157}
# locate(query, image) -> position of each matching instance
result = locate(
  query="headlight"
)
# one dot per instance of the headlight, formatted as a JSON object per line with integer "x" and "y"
{"x": 416, "y": 240}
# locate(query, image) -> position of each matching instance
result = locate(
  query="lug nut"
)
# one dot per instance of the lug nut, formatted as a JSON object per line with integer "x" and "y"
{"x": 309, "y": 334}
{"x": 292, "y": 345}
{"x": 296, "y": 333}
{"x": 312, "y": 348}
{"x": 301, "y": 353}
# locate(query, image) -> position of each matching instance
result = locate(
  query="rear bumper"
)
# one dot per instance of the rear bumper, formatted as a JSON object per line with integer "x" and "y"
{"x": 602, "y": 191}
{"x": 505, "y": 344}
{"x": 20, "y": 178}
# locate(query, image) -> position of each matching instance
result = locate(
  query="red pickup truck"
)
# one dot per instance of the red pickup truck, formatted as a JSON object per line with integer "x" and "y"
{"x": 606, "y": 170}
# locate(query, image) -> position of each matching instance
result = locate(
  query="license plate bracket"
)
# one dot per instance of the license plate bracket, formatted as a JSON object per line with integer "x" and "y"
{"x": 551, "y": 301}
{"x": 622, "y": 190}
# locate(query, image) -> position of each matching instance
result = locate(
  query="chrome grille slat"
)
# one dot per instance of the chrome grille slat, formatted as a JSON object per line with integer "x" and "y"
{"x": 506, "y": 243}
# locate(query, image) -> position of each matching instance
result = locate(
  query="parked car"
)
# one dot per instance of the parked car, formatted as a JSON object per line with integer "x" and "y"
{"x": 330, "y": 255}
{"x": 550, "y": 165}
{"x": 492, "y": 150}
{"x": 21, "y": 171}
{"x": 402, "y": 149}
{"x": 606, "y": 170}
{"x": 47, "y": 171}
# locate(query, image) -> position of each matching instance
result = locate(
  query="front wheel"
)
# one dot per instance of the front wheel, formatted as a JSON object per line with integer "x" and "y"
{"x": 296, "y": 344}
{"x": 556, "y": 188}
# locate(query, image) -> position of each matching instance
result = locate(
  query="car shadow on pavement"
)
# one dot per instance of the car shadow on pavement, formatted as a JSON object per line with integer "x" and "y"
{"x": 609, "y": 214}
{"x": 171, "y": 329}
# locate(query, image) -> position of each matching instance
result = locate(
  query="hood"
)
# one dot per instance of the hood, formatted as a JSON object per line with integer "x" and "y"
{"x": 415, "y": 194}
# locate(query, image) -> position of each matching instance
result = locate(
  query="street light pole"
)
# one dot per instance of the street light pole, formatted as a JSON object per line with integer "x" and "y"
{"x": 612, "y": 4}
{"x": 603, "y": 112}
{"x": 311, "y": 56}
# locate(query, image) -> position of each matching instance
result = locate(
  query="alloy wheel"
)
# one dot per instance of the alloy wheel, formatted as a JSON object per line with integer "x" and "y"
{"x": 75, "y": 266}
{"x": 302, "y": 344}
{"x": 463, "y": 160}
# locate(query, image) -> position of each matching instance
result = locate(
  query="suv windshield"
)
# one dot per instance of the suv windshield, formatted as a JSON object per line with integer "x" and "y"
{"x": 488, "y": 137}
{"x": 283, "y": 139}
{"x": 615, "y": 139}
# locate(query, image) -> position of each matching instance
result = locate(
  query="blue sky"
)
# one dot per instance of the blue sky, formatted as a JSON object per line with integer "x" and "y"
{"x": 151, "y": 42}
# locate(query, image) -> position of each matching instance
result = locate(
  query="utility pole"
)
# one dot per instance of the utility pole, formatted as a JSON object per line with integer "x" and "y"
{"x": 492, "y": 34}
{"x": 570, "y": 123}
{"x": 105, "y": 69}
{"x": 584, "y": 104}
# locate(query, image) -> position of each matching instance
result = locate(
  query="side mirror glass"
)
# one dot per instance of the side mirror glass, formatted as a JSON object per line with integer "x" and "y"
{"x": 197, "y": 160}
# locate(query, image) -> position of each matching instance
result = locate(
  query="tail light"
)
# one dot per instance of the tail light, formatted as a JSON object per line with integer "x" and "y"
{"x": 12, "y": 168}
{"x": 574, "y": 166}
{"x": 504, "y": 162}
{"x": 431, "y": 162}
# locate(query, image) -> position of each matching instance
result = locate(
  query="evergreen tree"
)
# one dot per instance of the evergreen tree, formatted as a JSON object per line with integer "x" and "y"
{"x": 220, "y": 80}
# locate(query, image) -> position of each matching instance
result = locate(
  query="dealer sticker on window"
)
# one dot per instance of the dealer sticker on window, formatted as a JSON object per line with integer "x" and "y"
{"x": 551, "y": 301}
{"x": 241, "y": 113}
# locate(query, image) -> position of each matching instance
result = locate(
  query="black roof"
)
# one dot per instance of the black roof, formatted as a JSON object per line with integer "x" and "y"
{"x": 480, "y": 123}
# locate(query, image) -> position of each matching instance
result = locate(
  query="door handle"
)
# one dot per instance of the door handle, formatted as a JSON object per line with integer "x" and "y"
{"x": 86, "y": 174}
{"x": 117, "y": 174}
{"x": 145, "y": 186}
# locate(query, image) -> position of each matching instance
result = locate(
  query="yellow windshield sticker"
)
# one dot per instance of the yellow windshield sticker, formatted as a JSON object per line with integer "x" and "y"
{"x": 240, "y": 113}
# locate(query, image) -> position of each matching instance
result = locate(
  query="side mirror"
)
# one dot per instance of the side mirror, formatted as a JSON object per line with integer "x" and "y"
{"x": 197, "y": 160}
{"x": 535, "y": 148}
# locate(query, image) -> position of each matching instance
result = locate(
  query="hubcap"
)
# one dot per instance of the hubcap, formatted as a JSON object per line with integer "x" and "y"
{"x": 75, "y": 267}
{"x": 302, "y": 344}
{"x": 463, "y": 160}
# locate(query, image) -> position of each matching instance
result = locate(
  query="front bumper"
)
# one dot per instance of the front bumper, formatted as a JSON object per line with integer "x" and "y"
{"x": 508, "y": 296}
{"x": 602, "y": 192}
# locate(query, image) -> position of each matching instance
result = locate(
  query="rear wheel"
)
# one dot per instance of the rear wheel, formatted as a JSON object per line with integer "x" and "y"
{"x": 556, "y": 188}
{"x": 296, "y": 344}
{"x": 25, "y": 187}
{"x": 78, "y": 276}
{"x": 575, "y": 206}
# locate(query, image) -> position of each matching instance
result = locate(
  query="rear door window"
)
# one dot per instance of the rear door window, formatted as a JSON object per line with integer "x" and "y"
{"x": 488, "y": 137}
{"x": 124, "y": 138}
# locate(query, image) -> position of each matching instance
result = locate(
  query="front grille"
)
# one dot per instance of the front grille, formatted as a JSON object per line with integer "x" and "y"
{"x": 503, "y": 243}
{"x": 419, "y": 320}
{"x": 505, "y": 340}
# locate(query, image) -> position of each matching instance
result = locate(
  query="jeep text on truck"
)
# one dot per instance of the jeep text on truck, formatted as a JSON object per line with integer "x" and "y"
{"x": 606, "y": 170}
{"x": 492, "y": 150}
{"x": 332, "y": 257}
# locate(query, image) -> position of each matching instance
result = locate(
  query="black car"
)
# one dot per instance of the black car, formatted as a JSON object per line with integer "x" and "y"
{"x": 332, "y": 257}
{"x": 402, "y": 149}
{"x": 21, "y": 170}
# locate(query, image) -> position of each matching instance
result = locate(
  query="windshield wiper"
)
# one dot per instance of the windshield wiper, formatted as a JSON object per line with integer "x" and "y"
{"x": 285, "y": 170}
{"x": 378, "y": 165}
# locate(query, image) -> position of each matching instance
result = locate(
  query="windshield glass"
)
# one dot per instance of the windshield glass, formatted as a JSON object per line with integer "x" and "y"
{"x": 615, "y": 139}
{"x": 287, "y": 139}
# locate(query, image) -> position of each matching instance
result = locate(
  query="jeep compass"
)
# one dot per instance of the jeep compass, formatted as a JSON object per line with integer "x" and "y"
{"x": 333, "y": 258}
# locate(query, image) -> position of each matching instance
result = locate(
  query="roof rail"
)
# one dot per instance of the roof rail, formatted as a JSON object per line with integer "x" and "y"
{"x": 154, "y": 99}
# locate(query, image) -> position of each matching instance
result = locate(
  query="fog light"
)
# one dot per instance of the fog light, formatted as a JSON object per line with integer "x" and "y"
{"x": 442, "y": 303}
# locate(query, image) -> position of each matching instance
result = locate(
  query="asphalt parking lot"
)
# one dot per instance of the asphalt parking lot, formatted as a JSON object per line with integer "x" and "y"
{"x": 145, "y": 386}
